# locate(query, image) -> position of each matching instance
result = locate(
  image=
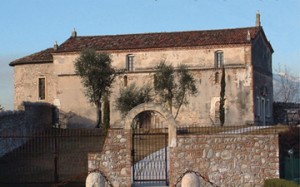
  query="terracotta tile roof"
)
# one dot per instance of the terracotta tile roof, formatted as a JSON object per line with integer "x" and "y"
{"x": 159, "y": 40}
{"x": 44, "y": 56}
{"x": 147, "y": 41}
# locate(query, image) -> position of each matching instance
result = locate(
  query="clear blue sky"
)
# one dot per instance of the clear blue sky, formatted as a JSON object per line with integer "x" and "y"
{"x": 29, "y": 26}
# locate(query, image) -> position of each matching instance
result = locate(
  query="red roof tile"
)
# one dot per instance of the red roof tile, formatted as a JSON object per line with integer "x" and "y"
{"x": 44, "y": 56}
{"x": 146, "y": 41}
{"x": 159, "y": 40}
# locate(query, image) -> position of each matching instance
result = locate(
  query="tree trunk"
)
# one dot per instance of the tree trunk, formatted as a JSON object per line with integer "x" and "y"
{"x": 99, "y": 114}
{"x": 106, "y": 114}
{"x": 180, "y": 104}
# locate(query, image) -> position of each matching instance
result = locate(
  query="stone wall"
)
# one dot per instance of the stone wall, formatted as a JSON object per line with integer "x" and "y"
{"x": 226, "y": 160}
{"x": 35, "y": 117}
{"x": 115, "y": 159}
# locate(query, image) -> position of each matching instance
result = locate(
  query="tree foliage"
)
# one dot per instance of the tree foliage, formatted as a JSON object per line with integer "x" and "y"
{"x": 173, "y": 86}
{"x": 186, "y": 86}
{"x": 131, "y": 96}
{"x": 164, "y": 83}
{"x": 97, "y": 76}
{"x": 1, "y": 108}
{"x": 286, "y": 86}
{"x": 222, "y": 98}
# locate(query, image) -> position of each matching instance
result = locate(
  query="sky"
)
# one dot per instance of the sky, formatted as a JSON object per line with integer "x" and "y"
{"x": 30, "y": 26}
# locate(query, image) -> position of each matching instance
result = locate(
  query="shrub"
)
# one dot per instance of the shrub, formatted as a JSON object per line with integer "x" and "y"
{"x": 279, "y": 183}
{"x": 290, "y": 140}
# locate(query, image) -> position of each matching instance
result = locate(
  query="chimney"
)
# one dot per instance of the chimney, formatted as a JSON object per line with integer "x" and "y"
{"x": 74, "y": 33}
{"x": 257, "y": 24}
{"x": 248, "y": 36}
{"x": 55, "y": 47}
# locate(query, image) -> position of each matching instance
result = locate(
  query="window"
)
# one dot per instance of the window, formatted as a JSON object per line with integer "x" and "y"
{"x": 219, "y": 59}
{"x": 268, "y": 108}
{"x": 42, "y": 88}
{"x": 257, "y": 106}
{"x": 129, "y": 62}
{"x": 216, "y": 77}
{"x": 125, "y": 80}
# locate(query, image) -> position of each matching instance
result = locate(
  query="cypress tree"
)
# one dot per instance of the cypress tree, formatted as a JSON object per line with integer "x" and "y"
{"x": 222, "y": 98}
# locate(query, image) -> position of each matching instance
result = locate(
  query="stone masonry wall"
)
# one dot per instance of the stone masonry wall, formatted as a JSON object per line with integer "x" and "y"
{"x": 115, "y": 160}
{"x": 226, "y": 160}
{"x": 35, "y": 117}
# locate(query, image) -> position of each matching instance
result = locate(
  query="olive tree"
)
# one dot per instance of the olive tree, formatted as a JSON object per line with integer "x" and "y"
{"x": 131, "y": 96}
{"x": 186, "y": 86}
{"x": 97, "y": 76}
{"x": 174, "y": 85}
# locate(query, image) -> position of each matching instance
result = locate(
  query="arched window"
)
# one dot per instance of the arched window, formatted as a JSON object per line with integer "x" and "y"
{"x": 219, "y": 59}
{"x": 129, "y": 62}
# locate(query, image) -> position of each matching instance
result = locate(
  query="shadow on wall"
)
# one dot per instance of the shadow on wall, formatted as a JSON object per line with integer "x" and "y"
{"x": 72, "y": 120}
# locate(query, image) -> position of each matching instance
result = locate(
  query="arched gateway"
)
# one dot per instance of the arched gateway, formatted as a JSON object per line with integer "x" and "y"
{"x": 150, "y": 148}
{"x": 156, "y": 108}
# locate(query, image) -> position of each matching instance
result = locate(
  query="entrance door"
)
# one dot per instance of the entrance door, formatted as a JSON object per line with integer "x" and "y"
{"x": 150, "y": 157}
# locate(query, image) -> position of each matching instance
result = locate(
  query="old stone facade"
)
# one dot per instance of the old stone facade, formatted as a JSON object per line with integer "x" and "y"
{"x": 226, "y": 160}
{"x": 223, "y": 160}
{"x": 245, "y": 53}
{"x": 115, "y": 159}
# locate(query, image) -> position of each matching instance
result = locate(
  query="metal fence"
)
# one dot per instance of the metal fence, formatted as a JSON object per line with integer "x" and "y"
{"x": 49, "y": 157}
{"x": 208, "y": 130}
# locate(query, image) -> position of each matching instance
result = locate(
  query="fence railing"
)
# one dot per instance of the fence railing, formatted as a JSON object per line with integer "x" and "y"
{"x": 48, "y": 157}
{"x": 208, "y": 130}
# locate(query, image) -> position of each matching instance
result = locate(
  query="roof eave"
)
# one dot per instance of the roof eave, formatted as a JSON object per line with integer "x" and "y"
{"x": 30, "y": 62}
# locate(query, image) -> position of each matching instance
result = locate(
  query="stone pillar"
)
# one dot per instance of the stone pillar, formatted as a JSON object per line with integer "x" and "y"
{"x": 190, "y": 180}
{"x": 95, "y": 180}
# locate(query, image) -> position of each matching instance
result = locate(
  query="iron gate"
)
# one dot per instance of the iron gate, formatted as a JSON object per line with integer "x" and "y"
{"x": 150, "y": 158}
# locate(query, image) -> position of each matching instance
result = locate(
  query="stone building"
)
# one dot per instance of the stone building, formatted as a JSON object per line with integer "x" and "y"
{"x": 246, "y": 54}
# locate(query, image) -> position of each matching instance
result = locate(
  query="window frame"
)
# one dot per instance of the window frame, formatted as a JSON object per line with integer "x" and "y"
{"x": 130, "y": 62}
{"x": 258, "y": 105}
{"x": 219, "y": 59}
{"x": 41, "y": 88}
